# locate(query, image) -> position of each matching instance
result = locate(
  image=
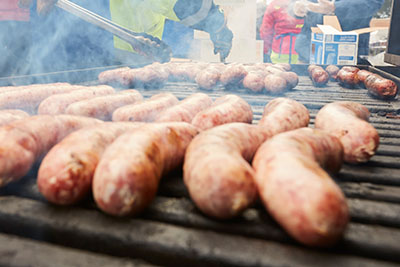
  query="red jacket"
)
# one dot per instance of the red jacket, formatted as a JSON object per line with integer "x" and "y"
{"x": 276, "y": 24}
{"x": 9, "y": 10}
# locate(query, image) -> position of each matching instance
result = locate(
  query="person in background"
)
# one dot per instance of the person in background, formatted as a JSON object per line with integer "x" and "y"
{"x": 149, "y": 16}
{"x": 352, "y": 14}
{"x": 279, "y": 30}
{"x": 14, "y": 37}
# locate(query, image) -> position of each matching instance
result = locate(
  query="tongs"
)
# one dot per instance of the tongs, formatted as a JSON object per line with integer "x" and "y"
{"x": 142, "y": 43}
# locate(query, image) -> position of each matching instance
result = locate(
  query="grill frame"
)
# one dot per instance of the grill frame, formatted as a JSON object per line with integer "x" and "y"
{"x": 173, "y": 232}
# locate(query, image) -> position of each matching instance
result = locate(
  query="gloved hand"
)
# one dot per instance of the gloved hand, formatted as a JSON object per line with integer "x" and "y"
{"x": 300, "y": 8}
{"x": 222, "y": 41}
{"x": 323, "y": 7}
{"x": 43, "y": 7}
{"x": 25, "y": 3}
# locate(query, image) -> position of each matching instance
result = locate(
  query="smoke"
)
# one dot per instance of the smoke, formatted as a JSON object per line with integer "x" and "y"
{"x": 61, "y": 41}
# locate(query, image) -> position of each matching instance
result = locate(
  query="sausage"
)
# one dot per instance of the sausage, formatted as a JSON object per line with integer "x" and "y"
{"x": 380, "y": 87}
{"x": 127, "y": 176}
{"x": 233, "y": 75}
{"x": 347, "y": 76}
{"x": 291, "y": 78}
{"x": 208, "y": 78}
{"x": 332, "y": 70}
{"x": 111, "y": 76}
{"x": 349, "y": 122}
{"x": 25, "y": 141}
{"x": 318, "y": 75}
{"x": 186, "y": 109}
{"x": 9, "y": 115}
{"x": 254, "y": 81}
{"x": 217, "y": 172}
{"x": 275, "y": 84}
{"x": 284, "y": 66}
{"x": 66, "y": 172}
{"x": 28, "y": 99}
{"x": 185, "y": 71}
{"x": 362, "y": 76}
{"x": 151, "y": 76}
{"x": 225, "y": 109}
{"x": 146, "y": 111}
{"x": 297, "y": 191}
{"x": 10, "y": 88}
{"x": 284, "y": 114}
{"x": 102, "y": 107}
{"x": 57, "y": 104}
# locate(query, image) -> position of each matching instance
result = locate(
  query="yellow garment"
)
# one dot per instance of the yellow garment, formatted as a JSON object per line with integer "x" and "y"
{"x": 141, "y": 16}
{"x": 283, "y": 58}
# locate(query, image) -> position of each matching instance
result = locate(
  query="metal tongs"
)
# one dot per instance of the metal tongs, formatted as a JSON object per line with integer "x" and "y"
{"x": 142, "y": 43}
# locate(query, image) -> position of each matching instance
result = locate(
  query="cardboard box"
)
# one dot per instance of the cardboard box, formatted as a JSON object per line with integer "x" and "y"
{"x": 331, "y": 45}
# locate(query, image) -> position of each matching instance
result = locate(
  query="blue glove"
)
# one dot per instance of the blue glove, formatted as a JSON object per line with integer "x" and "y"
{"x": 222, "y": 41}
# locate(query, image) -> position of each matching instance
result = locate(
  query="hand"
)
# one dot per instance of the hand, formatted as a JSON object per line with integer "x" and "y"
{"x": 300, "y": 8}
{"x": 222, "y": 41}
{"x": 43, "y": 7}
{"x": 322, "y": 7}
{"x": 24, "y": 3}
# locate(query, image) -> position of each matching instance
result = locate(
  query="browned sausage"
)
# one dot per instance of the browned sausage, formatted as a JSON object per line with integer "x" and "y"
{"x": 216, "y": 170}
{"x": 57, "y": 104}
{"x": 102, "y": 107}
{"x": 26, "y": 140}
{"x": 186, "y": 109}
{"x": 362, "y": 75}
{"x": 318, "y": 75}
{"x": 127, "y": 176}
{"x": 380, "y": 87}
{"x": 225, "y": 109}
{"x": 146, "y": 111}
{"x": 66, "y": 172}
{"x": 332, "y": 70}
{"x": 349, "y": 122}
{"x": 347, "y": 76}
{"x": 296, "y": 191}
{"x": 284, "y": 114}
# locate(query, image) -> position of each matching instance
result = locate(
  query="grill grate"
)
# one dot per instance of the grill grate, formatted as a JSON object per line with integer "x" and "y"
{"x": 173, "y": 232}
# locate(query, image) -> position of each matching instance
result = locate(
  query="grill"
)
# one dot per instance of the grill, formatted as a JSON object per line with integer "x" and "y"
{"x": 173, "y": 232}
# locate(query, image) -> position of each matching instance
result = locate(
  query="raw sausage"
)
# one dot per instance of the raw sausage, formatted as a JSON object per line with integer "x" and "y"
{"x": 25, "y": 141}
{"x": 57, "y": 104}
{"x": 186, "y": 109}
{"x": 225, "y": 109}
{"x": 66, "y": 172}
{"x": 146, "y": 111}
{"x": 102, "y": 107}
{"x": 349, "y": 122}
{"x": 216, "y": 170}
{"x": 284, "y": 114}
{"x": 127, "y": 176}
{"x": 295, "y": 189}
{"x": 9, "y": 115}
{"x": 275, "y": 84}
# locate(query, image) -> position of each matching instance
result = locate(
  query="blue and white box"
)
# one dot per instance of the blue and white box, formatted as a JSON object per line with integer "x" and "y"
{"x": 332, "y": 47}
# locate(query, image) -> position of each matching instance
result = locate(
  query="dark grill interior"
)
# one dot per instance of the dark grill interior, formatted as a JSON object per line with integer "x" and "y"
{"x": 173, "y": 232}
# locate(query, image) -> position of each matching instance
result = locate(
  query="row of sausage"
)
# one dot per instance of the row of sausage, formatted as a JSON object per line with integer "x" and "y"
{"x": 261, "y": 77}
{"x": 353, "y": 77}
{"x": 225, "y": 168}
